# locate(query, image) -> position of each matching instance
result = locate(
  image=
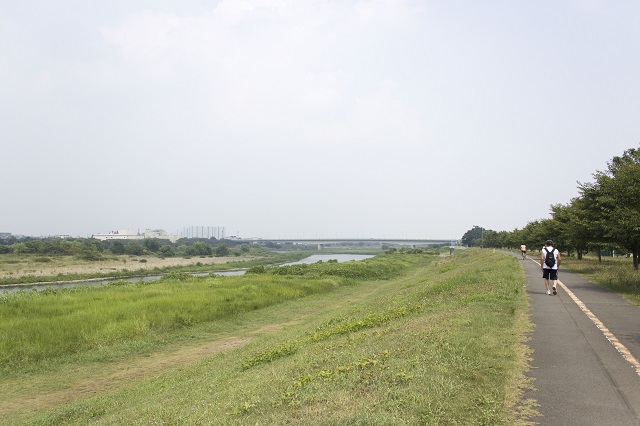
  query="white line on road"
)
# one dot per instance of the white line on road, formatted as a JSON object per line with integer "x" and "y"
{"x": 622, "y": 349}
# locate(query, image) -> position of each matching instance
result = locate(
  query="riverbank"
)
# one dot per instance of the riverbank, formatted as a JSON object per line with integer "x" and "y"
{"x": 36, "y": 266}
{"x": 35, "y": 270}
{"x": 430, "y": 340}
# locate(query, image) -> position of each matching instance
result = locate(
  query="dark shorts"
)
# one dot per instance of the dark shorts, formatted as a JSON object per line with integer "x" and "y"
{"x": 551, "y": 274}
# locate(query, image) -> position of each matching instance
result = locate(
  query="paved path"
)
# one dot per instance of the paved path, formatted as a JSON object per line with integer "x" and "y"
{"x": 580, "y": 377}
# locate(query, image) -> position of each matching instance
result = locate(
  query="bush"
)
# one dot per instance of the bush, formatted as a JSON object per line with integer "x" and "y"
{"x": 222, "y": 250}
{"x": 89, "y": 254}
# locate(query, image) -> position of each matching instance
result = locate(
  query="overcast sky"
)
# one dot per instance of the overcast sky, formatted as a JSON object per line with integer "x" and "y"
{"x": 309, "y": 119}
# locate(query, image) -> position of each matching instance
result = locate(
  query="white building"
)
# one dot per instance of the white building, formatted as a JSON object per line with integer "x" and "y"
{"x": 125, "y": 234}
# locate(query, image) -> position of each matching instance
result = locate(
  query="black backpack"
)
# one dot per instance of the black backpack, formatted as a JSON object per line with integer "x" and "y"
{"x": 549, "y": 259}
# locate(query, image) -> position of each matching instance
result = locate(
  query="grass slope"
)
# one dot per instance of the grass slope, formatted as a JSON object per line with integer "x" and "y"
{"x": 429, "y": 340}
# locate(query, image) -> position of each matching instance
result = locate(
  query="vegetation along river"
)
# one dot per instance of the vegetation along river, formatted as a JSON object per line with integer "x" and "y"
{"x": 96, "y": 282}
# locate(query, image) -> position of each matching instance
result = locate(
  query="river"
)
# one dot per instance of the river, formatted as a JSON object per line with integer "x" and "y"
{"x": 100, "y": 281}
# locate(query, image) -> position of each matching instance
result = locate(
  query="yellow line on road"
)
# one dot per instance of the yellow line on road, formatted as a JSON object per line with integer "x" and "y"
{"x": 622, "y": 349}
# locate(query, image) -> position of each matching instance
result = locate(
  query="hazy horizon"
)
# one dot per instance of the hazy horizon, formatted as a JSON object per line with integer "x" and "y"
{"x": 313, "y": 118}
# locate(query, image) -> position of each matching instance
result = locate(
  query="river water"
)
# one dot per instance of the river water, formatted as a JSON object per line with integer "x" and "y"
{"x": 96, "y": 282}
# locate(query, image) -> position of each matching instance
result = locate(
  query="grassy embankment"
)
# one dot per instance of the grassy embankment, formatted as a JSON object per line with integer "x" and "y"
{"x": 614, "y": 273}
{"x": 28, "y": 269}
{"x": 398, "y": 339}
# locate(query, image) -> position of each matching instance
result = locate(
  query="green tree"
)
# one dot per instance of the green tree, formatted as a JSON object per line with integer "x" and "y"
{"x": 152, "y": 244}
{"x": 57, "y": 247}
{"x": 587, "y": 223}
{"x": 619, "y": 190}
{"x": 116, "y": 247}
{"x": 35, "y": 246}
{"x": 222, "y": 250}
{"x": 134, "y": 249}
{"x": 474, "y": 237}
{"x": 166, "y": 251}
{"x": 199, "y": 249}
{"x": 20, "y": 248}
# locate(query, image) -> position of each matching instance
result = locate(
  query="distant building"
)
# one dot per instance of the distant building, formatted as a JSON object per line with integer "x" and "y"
{"x": 160, "y": 234}
{"x": 125, "y": 234}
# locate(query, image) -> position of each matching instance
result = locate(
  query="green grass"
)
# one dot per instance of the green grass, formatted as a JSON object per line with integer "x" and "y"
{"x": 44, "y": 326}
{"x": 616, "y": 274}
{"x": 438, "y": 341}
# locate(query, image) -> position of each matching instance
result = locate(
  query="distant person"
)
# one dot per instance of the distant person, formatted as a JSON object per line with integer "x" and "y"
{"x": 523, "y": 249}
{"x": 549, "y": 262}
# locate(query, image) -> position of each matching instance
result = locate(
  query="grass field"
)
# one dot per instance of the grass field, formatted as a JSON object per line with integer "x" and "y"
{"x": 614, "y": 273}
{"x": 399, "y": 339}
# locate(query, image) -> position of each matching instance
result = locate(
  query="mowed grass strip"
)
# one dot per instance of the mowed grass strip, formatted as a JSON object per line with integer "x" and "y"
{"x": 614, "y": 273}
{"x": 441, "y": 343}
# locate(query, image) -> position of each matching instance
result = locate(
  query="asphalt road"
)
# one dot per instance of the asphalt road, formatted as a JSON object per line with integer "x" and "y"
{"x": 585, "y": 352}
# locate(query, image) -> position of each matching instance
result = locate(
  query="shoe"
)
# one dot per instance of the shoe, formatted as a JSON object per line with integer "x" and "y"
{"x": 548, "y": 292}
{"x": 554, "y": 290}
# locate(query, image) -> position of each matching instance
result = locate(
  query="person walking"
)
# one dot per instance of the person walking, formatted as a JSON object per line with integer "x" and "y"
{"x": 523, "y": 249}
{"x": 549, "y": 262}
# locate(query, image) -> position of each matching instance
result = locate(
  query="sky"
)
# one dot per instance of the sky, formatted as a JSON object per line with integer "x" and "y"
{"x": 309, "y": 118}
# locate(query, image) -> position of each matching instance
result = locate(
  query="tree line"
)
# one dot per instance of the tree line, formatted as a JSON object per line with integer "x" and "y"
{"x": 92, "y": 249}
{"x": 604, "y": 219}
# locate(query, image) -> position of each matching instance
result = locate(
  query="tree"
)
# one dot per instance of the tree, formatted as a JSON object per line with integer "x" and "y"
{"x": 134, "y": 249}
{"x": 199, "y": 249}
{"x": 166, "y": 251}
{"x": 20, "y": 248}
{"x": 491, "y": 239}
{"x": 474, "y": 237}
{"x": 58, "y": 247}
{"x": 117, "y": 247}
{"x": 619, "y": 190}
{"x": 222, "y": 250}
{"x": 152, "y": 244}
{"x": 588, "y": 219}
{"x": 35, "y": 246}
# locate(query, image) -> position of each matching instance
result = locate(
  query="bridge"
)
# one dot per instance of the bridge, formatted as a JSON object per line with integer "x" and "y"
{"x": 322, "y": 242}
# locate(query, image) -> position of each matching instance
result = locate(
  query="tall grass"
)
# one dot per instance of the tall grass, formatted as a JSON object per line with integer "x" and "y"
{"x": 53, "y": 323}
{"x": 440, "y": 342}
{"x": 374, "y": 268}
{"x": 616, "y": 274}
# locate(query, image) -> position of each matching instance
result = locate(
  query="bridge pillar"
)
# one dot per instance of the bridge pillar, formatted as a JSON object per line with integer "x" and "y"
{"x": 320, "y": 246}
